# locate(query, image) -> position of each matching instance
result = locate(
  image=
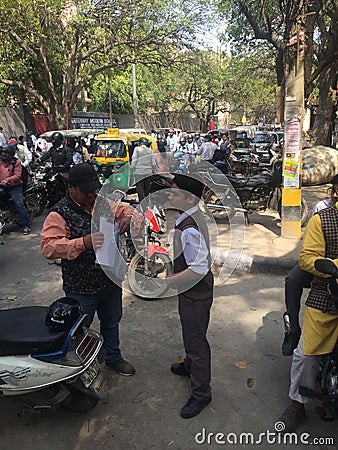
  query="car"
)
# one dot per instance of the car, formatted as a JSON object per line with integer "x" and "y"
{"x": 266, "y": 146}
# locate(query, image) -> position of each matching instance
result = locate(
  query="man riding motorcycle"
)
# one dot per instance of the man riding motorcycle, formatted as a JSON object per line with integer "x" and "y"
{"x": 61, "y": 159}
{"x": 58, "y": 154}
{"x": 11, "y": 181}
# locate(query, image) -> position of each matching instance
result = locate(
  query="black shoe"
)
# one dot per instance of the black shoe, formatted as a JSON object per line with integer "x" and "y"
{"x": 122, "y": 367}
{"x": 290, "y": 342}
{"x": 26, "y": 231}
{"x": 179, "y": 369}
{"x": 193, "y": 407}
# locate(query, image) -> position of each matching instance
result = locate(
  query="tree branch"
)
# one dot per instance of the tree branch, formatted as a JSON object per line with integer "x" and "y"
{"x": 43, "y": 102}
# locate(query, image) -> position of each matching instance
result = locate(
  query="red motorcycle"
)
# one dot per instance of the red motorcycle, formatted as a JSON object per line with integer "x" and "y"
{"x": 149, "y": 262}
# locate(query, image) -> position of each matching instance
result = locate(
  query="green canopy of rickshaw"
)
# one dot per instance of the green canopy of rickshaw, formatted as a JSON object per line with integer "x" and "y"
{"x": 75, "y": 133}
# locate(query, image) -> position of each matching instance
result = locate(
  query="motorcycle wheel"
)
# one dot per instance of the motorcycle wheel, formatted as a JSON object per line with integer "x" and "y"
{"x": 41, "y": 198}
{"x": 304, "y": 212}
{"x": 79, "y": 401}
{"x": 152, "y": 285}
{"x": 209, "y": 197}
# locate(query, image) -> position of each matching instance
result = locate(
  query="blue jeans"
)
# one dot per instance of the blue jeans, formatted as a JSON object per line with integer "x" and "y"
{"x": 108, "y": 306}
{"x": 17, "y": 197}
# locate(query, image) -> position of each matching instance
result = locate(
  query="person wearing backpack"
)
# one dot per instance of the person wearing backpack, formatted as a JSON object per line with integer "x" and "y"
{"x": 11, "y": 180}
{"x": 22, "y": 153}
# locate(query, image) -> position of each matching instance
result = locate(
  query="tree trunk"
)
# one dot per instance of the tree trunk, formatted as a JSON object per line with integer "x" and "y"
{"x": 325, "y": 114}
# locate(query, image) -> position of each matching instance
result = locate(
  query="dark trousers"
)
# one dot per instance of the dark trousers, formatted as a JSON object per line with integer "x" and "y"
{"x": 195, "y": 320}
{"x": 295, "y": 282}
{"x": 17, "y": 197}
{"x": 108, "y": 306}
{"x": 143, "y": 186}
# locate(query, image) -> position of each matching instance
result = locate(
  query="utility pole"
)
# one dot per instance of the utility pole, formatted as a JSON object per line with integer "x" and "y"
{"x": 136, "y": 122}
{"x": 109, "y": 97}
{"x": 293, "y": 130}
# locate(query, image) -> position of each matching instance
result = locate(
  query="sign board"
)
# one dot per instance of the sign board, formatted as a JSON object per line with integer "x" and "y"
{"x": 93, "y": 122}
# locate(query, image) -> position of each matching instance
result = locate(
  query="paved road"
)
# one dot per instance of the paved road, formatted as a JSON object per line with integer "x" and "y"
{"x": 142, "y": 412}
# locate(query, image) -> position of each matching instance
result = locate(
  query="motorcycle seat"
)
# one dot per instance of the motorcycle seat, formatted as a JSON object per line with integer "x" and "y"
{"x": 252, "y": 182}
{"x": 220, "y": 178}
{"x": 23, "y": 331}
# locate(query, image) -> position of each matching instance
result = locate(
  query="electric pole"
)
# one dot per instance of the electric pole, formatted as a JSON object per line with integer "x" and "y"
{"x": 293, "y": 128}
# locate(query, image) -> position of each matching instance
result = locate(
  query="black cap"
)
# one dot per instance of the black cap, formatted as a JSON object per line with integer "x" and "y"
{"x": 84, "y": 176}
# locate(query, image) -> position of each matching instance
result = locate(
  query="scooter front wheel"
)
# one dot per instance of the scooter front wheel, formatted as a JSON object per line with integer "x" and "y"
{"x": 149, "y": 284}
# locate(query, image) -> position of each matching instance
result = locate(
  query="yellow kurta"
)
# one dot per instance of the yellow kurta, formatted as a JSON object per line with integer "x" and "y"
{"x": 320, "y": 330}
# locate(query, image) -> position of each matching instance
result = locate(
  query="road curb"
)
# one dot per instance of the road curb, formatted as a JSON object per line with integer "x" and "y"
{"x": 253, "y": 264}
{"x": 275, "y": 266}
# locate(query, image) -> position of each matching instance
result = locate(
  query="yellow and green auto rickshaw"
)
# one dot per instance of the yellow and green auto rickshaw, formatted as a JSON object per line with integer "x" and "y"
{"x": 112, "y": 154}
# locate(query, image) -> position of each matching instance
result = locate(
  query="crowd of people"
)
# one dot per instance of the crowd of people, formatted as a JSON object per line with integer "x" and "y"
{"x": 20, "y": 155}
{"x": 187, "y": 149}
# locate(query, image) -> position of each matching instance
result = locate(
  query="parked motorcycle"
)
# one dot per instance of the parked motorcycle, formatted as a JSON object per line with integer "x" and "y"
{"x": 35, "y": 198}
{"x": 328, "y": 368}
{"x": 256, "y": 193}
{"x": 246, "y": 164}
{"x": 49, "y": 358}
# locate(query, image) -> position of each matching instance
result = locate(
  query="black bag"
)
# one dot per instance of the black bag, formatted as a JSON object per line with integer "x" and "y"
{"x": 24, "y": 178}
{"x": 24, "y": 175}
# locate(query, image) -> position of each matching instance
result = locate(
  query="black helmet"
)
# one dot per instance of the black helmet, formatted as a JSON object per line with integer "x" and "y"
{"x": 144, "y": 141}
{"x": 57, "y": 138}
{"x": 62, "y": 314}
{"x": 7, "y": 152}
{"x": 182, "y": 140}
{"x": 190, "y": 137}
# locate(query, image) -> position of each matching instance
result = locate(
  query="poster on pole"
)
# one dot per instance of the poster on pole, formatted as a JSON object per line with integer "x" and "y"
{"x": 292, "y": 147}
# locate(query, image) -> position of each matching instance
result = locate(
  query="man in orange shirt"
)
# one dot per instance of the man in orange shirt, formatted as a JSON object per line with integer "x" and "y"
{"x": 67, "y": 234}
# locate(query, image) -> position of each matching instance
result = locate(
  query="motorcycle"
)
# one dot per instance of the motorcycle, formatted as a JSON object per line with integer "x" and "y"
{"x": 35, "y": 199}
{"x": 256, "y": 193}
{"x": 245, "y": 164}
{"x": 149, "y": 262}
{"x": 48, "y": 358}
{"x": 328, "y": 368}
{"x": 53, "y": 183}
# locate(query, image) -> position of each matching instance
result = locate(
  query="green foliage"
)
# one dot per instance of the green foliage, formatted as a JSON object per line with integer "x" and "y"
{"x": 63, "y": 45}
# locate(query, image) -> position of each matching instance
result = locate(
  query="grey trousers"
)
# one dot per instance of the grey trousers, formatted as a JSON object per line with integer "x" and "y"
{"x": 304, "y": 370}
{"x": 195, "y": 317}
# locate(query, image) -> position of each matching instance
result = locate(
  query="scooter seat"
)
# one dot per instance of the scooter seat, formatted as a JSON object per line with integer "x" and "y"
{"x": 23, "y": 331}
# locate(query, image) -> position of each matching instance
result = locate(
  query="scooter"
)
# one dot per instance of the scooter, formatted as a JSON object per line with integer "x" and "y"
{"x": 48, "y": 358}
{"x": 328, "y": 368}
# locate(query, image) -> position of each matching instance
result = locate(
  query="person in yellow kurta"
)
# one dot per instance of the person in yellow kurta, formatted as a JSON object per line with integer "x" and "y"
{"x": 320, "y": 328}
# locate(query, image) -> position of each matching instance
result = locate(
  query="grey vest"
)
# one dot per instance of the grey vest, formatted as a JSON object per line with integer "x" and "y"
{"x": 319, "y": 296}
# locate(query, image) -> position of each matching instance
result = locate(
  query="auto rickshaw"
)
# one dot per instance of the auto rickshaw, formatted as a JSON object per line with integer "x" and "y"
{"x": 112, "y": 154}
